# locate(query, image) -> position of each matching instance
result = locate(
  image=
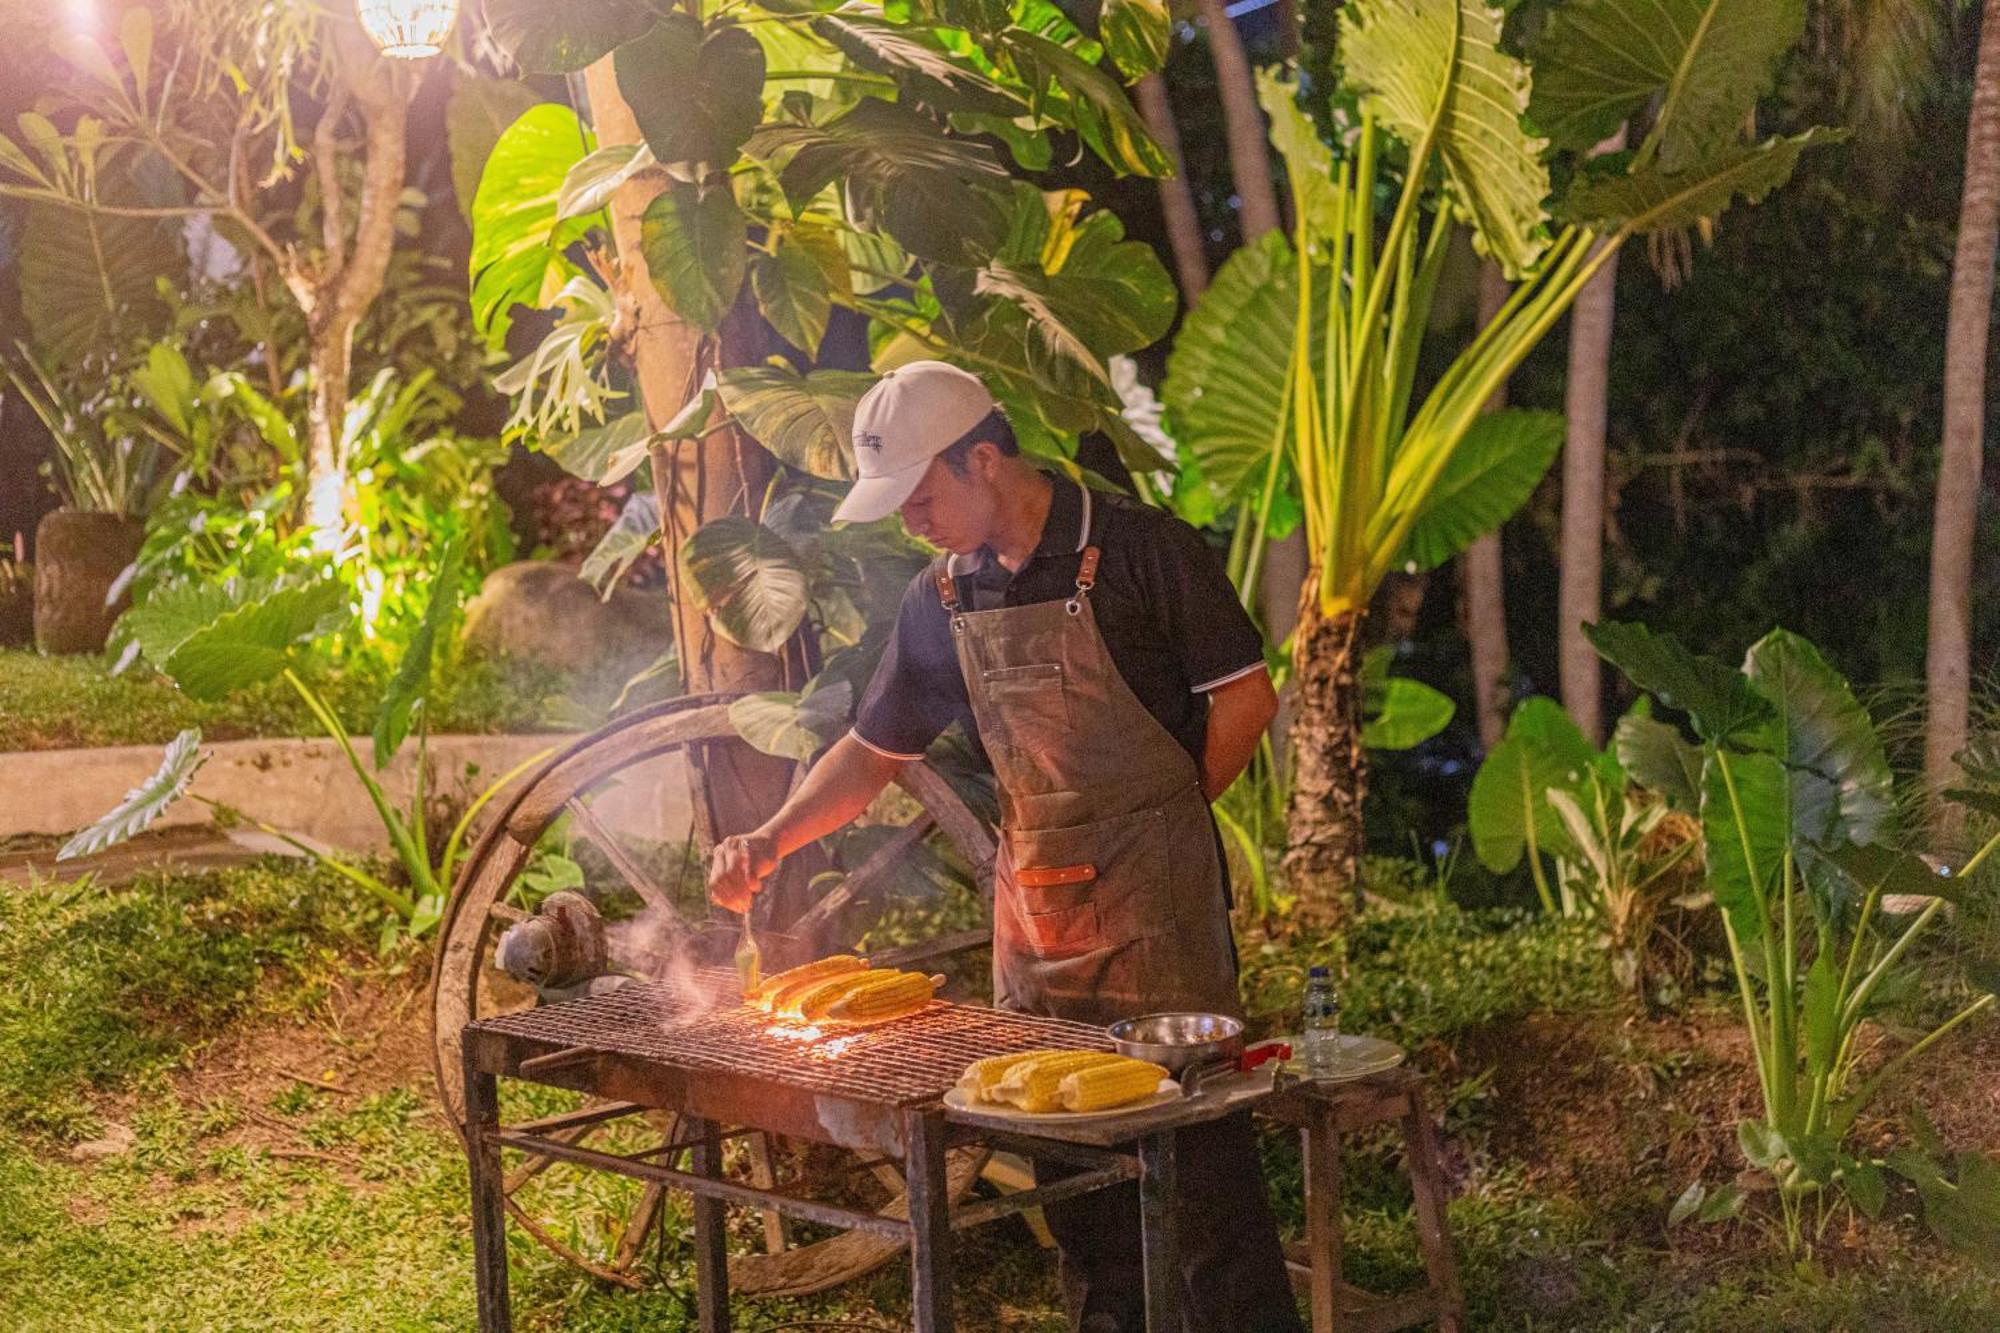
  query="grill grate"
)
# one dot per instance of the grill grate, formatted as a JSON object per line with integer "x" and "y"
{"x": 911, "y": 1060}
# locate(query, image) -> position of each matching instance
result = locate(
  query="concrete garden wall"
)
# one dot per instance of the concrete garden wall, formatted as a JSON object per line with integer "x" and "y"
{"x": 306, "y": 788}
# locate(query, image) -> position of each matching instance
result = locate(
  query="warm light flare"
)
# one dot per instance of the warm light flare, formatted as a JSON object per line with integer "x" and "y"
{"x": 407, "y": 29}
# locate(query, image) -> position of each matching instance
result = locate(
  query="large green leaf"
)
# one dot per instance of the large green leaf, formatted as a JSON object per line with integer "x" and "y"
{"x": 1103, "y": 296}
{"x": 1509, "y": 798}
{"x": 1308, "y": 160}
{"x": 917, "y": 61}
{"x": 1745, "y": 830}
{"x": 144, "y": 803}
{"x": 604, "y": 454}
{"x": 1656, "y": 757}
{"x": 517, "y": 240}
{"x": 1597, "y": 62}
{"x": 90, "y": 280}
{"x": 806, "y": 421}
{"x": 1716, "y": 695}
{"x": 479, "y": 112}
{"x": 936, "y": 197}
{"x": 1818, "y": 726}
{"x": 1070, "y": 90}
{"x": 748, "y": 580}
{"x": 1651, "y": 200}
{"x": 1135, "y": 34}
{"x": 797, "y": 282}
{"x": 1403, "y": 713}
{"x": 693, "y": 238}
{"x": 1425, "y": 63}
{"x": 630, "y": 535}
{"x": 1494, "y": 470}
{"x": 562, "y": 38}
{"x": 409, "y": 689}
{"x": 590, "y": 183}
{"x": 252, "y": 642}
{"x": 1226, "y": 374}
{"x": 793, "y": 726}
{"x": 696, "y": 94}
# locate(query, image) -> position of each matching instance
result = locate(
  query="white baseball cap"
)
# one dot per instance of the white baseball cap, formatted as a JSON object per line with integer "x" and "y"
{"x": 914, "y": 413}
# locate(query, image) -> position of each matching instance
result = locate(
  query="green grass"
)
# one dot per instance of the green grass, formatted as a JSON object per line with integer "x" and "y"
{"x": 264, "y": 1203}
{"x": 58, "y": 703}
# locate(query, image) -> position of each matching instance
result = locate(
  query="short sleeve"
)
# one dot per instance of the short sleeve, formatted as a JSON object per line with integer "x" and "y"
{"x": 916, "y": 691}
{"x": 1205, "y": 623}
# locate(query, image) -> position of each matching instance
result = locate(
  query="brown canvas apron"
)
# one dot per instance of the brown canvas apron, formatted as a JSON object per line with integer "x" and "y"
{"x": 1108, "y": 896}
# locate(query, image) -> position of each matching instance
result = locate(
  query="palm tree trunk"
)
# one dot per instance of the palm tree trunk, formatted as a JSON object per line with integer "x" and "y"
{"x": 1176, "y": 195}
{"x": 1324, "y": 832}
{"x": 1580, "y": 590}
{"x": 1243, "y": 123}
{"x": 1948, "y": 656}
{"x": 1483, "y": 570}
{"x": 736, "y": 787}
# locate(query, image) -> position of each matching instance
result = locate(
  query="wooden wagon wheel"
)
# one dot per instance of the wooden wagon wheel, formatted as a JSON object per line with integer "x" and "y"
{"x": 465, "y": 985}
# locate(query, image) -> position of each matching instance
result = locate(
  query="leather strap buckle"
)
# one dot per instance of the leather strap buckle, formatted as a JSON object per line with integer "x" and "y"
{"x": 1086, "y": 579}
{"x": 947, "y": 590}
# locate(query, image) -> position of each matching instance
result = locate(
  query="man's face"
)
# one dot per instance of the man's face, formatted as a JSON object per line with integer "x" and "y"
{"x": 955, "y": 510}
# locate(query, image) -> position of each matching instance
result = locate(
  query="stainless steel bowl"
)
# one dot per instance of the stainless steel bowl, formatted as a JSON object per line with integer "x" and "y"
{"x": 1179, "y": 1041}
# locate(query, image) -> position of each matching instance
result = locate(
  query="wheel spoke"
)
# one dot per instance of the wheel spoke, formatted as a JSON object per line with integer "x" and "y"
{"x": 601, "y": 838}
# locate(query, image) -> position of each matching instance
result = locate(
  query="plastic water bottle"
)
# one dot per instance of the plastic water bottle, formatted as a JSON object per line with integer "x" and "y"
{"x": 1319, "y": 1031}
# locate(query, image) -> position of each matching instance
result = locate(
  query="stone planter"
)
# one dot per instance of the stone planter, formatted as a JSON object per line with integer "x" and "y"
{"x": 78, "y": 556}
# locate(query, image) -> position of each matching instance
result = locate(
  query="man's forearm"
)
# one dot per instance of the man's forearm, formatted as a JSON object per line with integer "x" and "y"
{"x": 839, "y": 788}
{"x": 1238, "y": 713}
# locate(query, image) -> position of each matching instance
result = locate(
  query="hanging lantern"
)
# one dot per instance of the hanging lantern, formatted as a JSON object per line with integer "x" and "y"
{"x": 411, "y": 29}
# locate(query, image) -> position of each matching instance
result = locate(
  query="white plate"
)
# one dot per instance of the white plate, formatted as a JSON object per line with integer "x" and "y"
{"x": 959, "y": 1100}
{"x": 1356, "y": 1057}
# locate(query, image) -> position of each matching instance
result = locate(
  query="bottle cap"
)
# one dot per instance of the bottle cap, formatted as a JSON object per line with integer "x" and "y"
{"x": 1317, "y": 970}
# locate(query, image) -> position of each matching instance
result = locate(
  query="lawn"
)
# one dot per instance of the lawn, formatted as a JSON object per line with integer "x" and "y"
{"x": 217, "y": 1114}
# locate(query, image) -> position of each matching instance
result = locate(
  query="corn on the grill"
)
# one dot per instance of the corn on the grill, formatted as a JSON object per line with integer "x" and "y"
{"x": 1097, "y": 1087}
{"x": 812, "y": 1003}
{"x": 1036, "y": 1085}
{"x": 905, "y": 993}
{"x": 787, "y": 984}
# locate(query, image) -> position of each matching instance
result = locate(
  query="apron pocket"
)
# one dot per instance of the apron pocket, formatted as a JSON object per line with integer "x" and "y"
{"x": 1029, "y": 704}
{"x": 1127, "y": 895}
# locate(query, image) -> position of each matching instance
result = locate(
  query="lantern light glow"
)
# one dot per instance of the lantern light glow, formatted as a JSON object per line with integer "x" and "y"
{"x": 409, "y": 29}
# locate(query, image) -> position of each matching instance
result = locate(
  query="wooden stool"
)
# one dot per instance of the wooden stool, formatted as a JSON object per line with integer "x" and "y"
{"x": 1322, "y": 1112}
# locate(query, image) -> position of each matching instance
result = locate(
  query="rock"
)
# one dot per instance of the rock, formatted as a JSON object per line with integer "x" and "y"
{"x": 117, "y": 1141}
{"x": 539, "y": 612}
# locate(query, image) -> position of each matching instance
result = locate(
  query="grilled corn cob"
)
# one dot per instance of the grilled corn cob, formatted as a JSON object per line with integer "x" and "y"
{"x": 906, "y": 993}
{"x": 1096, "y": 1087}
{"x": 812, "y": 1003}
{"x": 981, "y": 1078}
{"x": 768, "y": 996}
{"x": 1036, "y": 1085}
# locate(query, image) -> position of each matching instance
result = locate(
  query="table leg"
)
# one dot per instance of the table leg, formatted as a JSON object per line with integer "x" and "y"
{"x": 1157, "y": 1188}
{"x": 930, "y": 1221}
{"x": 489, "y": 1212}
{"x": 1433, "y": 1225}
{"x": 711, "y": 1253}
{"x": 1322, "y": 1150}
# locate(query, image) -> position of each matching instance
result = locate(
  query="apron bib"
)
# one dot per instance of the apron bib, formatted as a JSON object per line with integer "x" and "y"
{"x": 1108, "y": 888}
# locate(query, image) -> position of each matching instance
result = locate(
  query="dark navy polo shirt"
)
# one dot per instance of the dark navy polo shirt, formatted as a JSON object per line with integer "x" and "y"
{"x": 1163, "y": 602}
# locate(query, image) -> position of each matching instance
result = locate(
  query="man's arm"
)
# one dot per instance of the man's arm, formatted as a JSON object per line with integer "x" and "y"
{"x": 838, "y": 788}
{"x": 1238, "y": 712}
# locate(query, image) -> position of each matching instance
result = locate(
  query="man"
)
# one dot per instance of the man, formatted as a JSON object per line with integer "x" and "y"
{"x": 1100, "y": 657}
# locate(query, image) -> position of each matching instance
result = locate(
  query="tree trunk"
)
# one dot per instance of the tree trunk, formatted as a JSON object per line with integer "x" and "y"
{"x": 337, "y": 291}
{"x": 1324, "y": 835}
{"x": 1243, "y": 122}
{"x": 1483, "y": 570}
{"x": 736, "y": 787}
{"x": 1948, "y": 655}
{"x": 1177, "y": 209}
{"x": 1580, "y": 591}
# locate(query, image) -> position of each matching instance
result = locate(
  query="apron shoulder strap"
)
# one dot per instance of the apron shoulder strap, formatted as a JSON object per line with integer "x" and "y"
{"x": 947, "y": 587}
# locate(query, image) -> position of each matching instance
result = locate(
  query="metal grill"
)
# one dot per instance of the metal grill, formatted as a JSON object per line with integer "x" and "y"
{"x": 911, "y": 1060}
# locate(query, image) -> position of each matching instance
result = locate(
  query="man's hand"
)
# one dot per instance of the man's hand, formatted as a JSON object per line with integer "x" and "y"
{"x": 739, "y": 867}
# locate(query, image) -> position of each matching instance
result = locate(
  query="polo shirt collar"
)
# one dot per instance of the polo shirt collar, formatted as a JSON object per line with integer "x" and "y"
{"x": 1066, "y": 530}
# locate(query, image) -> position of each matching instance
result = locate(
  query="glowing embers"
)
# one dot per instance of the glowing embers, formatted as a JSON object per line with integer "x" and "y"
{"x": 816, "y": 1041}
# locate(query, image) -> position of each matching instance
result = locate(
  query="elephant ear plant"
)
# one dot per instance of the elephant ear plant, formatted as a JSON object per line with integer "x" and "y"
{"x": 214, "y": 638}
{"x": 1820, "y": 904}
